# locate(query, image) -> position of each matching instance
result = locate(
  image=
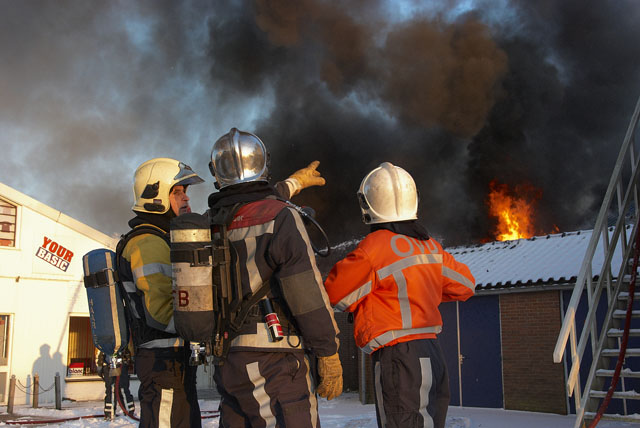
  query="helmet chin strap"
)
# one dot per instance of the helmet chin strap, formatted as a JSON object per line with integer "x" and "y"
{"x": 213, "y": 173}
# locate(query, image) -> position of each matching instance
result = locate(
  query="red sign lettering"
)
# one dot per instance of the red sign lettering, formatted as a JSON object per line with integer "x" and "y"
{"x": 55, "y": 254}
{"x": 183, "y": 298}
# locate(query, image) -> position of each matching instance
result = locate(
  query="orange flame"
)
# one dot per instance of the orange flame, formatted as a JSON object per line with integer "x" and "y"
{"x": 513, "y": 210}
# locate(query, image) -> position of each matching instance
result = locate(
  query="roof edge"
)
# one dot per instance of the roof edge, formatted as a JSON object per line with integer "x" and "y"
{"x": 21, "y": 199}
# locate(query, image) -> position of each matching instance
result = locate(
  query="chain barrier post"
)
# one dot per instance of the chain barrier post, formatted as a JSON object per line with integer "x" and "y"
{"x": 12, "y": 394}
{"x": 58, "y": 395}
{"x": 36, "y": 385}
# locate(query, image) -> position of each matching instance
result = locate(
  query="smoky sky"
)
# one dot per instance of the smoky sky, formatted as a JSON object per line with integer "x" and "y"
{"x": 457, "y": 93}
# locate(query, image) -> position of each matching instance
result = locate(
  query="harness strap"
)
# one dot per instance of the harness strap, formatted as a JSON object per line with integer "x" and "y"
{"x": 247, "y": 305}
{"x": 101, "y": 278}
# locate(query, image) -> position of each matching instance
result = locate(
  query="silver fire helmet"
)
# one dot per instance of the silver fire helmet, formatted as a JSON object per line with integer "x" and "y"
{"x": 238, "y": 157}
{"x": 388, "y": 194}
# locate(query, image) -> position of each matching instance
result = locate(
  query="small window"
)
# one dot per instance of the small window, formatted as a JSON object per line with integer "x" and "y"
{"x": 7, "y": 224}
{"x": 4, "y": 340}
{"x": 4, "y": 355}
{"x": 81, "y": 356}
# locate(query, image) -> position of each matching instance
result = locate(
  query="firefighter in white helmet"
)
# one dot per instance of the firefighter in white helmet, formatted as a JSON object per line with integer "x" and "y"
{"x": 393, "y": 283}
{"x": 264, "y": 381}
{"x": 167, "y": 389}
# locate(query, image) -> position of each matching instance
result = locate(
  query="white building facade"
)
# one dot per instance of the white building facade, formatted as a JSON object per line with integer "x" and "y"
{"x": 44, "y": 317}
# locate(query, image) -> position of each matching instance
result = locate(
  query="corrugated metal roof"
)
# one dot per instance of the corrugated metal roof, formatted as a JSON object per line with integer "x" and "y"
{"x": 541, "y": 260}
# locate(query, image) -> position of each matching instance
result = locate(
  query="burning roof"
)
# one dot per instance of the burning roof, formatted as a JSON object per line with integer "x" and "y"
{"x": 541, "y": 260}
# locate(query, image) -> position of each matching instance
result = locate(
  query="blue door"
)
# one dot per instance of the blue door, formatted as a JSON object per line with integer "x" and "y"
{"x": 480, "y": 349}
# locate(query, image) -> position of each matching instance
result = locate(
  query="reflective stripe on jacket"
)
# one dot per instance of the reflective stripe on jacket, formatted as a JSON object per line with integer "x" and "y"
{"x": 393, "y": 284}
{"x": 272, "y": 244}
{"x": 146, "y": 277}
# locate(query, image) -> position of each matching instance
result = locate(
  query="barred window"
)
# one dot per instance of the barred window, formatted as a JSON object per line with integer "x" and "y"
{"x": 81, "y": 356}
{"x": 7, "y": 224}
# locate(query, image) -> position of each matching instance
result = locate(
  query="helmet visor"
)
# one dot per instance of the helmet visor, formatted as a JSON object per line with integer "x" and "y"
{"x": 186, "y": 176}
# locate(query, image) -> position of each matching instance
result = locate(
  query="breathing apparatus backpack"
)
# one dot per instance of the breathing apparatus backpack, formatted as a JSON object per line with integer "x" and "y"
{"x": 206, "y": 291}
{"x": 192, "y": 267}
{"x": 109, "y": 326}
{"x": 209, "y": 306}
{"x": 111, "y": 320}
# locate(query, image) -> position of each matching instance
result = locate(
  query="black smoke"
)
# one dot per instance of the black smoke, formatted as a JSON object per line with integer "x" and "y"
{"x": 536, "y": 94}
{"x": 458, "y": 93}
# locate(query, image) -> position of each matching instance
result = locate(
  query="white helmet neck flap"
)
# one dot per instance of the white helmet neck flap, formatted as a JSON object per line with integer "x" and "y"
{"x": 238, "y": 157}
{"x": 153, "y": 180}
{"x": 388, "y": 194}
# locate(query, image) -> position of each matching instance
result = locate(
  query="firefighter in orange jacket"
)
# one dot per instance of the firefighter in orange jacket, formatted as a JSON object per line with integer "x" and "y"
{"x": 393, "y": 282}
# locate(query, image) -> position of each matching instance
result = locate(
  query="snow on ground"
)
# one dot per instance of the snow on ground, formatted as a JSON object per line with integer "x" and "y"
{"x": 343, "y": 412}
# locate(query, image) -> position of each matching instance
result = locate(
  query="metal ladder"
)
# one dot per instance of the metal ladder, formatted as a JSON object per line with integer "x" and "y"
{"x": 604, "y": 337}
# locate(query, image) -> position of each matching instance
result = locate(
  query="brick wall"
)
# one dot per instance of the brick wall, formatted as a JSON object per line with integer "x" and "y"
{"x": 530, "y": 323}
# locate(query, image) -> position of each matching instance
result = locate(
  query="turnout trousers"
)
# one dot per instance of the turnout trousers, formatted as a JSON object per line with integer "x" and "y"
{"x": 167, "y": 393}
{"x": 266, "y": 390}
{"x": 110, "y": 401}
{"x": 411, "y": 385}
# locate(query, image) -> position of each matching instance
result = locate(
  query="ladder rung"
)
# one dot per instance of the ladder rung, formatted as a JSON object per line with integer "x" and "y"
{"x": 627, "y": 278}
{"x": 628, "y": 373}
{"x": 615, "y": 332}
{"x": 624, "y": 295}
{"x": 620, "y": 418}
{"x": 622, "y": 313}
{"x": 629, "y": 395}
{"x": 631, "y": 352}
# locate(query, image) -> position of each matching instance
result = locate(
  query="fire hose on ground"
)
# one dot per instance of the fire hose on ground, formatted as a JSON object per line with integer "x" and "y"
{"x": 625, "y": 336}
{"x": 214, "y": 413}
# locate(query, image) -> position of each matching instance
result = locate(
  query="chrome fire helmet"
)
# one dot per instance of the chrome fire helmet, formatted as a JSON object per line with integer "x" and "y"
{"x": 153, "y": 180}
{"x": 388, "y": 194}
{"x": 238, "y": 157}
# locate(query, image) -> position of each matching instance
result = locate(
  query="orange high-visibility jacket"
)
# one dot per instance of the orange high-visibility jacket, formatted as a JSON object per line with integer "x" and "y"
{"x": 393, "y": 284}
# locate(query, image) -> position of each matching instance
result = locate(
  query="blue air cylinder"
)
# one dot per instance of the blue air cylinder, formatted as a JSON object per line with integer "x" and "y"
{"x": 192, "y": 266}
{"x": 109, "y": 326}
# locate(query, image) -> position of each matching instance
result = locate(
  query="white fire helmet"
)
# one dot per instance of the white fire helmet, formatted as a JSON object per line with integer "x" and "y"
{"x": 388, "y": 194}
{"x": 238, "y": 157}
{"x": 153, "y": 180}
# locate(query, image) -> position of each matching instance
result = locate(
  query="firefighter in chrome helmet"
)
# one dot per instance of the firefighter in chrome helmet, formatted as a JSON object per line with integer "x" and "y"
{"x": 241, "y": 157}
{"x": 238, "y": 157}
{"x": 273, "y": 250}
{"x": 399, "y": 274}
{"x": 161, "y": 356}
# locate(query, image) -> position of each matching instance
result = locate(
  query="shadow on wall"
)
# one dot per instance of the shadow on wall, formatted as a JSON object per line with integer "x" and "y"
{"x": 46, "y": 366}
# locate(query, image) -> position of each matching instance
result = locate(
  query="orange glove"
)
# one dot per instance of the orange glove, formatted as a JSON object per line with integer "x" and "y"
{"x": 330, "y": 371}
{"x": 305, "y": 177}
